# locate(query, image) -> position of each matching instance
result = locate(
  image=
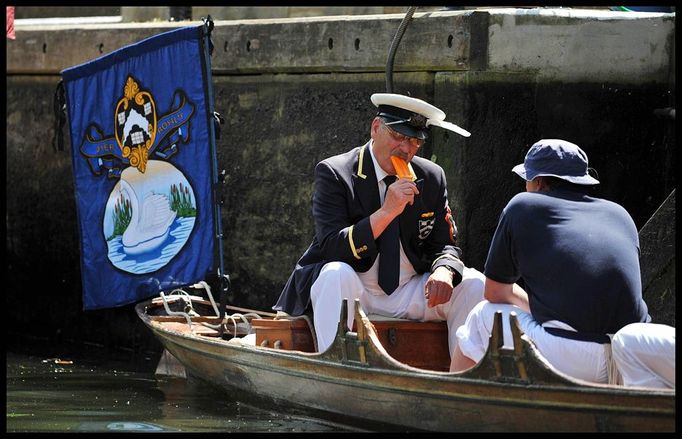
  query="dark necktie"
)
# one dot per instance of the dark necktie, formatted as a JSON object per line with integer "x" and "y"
{"x": 389, "y": 251}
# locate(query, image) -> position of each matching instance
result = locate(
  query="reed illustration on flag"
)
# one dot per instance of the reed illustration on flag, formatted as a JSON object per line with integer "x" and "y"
{"x": 141, "y": 152}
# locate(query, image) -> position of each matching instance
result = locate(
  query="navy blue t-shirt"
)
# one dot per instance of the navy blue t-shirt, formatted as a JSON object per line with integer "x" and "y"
{"x": 578, "y": 257}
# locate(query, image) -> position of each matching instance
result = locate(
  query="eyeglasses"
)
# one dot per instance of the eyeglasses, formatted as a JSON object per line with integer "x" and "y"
{"x": 400, "y": 138}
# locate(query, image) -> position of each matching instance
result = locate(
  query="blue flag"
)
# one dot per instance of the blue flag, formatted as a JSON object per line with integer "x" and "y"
{"x": 141, "y": 150}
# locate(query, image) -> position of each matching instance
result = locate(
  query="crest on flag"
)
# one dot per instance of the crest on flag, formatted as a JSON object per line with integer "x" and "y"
{"x": 141, "y": 151}
{"x": 135, "y": 124}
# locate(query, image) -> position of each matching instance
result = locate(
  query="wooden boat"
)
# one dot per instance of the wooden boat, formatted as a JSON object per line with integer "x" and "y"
{"x": 357, "y": 377}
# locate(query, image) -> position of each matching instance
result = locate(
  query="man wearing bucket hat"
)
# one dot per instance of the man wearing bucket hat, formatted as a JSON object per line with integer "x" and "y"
{"x": 391, "y": 243}
{"x": 578, "y": 259}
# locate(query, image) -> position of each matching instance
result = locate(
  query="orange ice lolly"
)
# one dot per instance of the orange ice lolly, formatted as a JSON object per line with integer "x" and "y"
{"x": 401, "y": 168}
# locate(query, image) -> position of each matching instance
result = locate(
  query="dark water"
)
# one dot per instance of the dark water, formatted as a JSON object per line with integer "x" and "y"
{"x": 94, "y": 393}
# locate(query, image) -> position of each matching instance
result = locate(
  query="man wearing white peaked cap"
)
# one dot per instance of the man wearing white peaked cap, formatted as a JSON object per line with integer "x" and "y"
{"x": 391, "y": 243}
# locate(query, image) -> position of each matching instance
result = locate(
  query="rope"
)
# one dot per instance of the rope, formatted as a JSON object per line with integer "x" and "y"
{"x": 190, "y": 312}
{"x": 244, "y": 319}
{"x": 284, "y": 316}
{"x": 59, "y": 109}
{"x": 208, "y": 26}
{"x": 394, "y": 47}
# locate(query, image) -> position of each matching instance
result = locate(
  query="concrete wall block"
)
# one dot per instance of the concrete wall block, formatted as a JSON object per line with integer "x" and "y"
{"x": 566, "y": 46}
{"x": 239, "y": 12}
{"x": 261, "y": 12}
{"x": 480, "y": 182}
{"x": 24, "y": 12}
{"x": 132, "y": 14}
{"x": 51, "y": 49}
{"x": 506, "y": 114}
{"x": 570, "y": 46}
{"x": 658, "y": 241}
{"x": 657, "y": 247}
{"x": 278, "y": 127}
{"x": 660, "y": 296}
{"x": 42, "y": 232}
{"x": 437, "y": 41}
{"x": 340, "y": 44}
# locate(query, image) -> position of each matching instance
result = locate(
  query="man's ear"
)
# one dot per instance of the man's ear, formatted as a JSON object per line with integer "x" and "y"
{"x": 542, "y": 183}
{"x": 376, "y": 125}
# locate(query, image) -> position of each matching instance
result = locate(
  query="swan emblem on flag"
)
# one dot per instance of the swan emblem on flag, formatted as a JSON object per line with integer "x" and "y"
{"x": 150, "y": 222}
{"x": 148, "y": 217}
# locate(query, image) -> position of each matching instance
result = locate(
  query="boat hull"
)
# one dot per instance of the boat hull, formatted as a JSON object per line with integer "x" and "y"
{"x": 375, "y": 388}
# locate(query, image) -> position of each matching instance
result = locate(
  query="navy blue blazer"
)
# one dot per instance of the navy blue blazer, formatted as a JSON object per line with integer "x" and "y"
{"x": 346, "y": 194}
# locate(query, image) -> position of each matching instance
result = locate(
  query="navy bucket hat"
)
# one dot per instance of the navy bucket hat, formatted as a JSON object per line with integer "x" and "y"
{"x": 556, "y": 158}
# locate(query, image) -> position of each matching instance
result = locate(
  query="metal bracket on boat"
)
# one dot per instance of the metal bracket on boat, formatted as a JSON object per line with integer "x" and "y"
{"x": 276, "y": 345}
{"x": 206, "y": 286}
{"x": 356, "y": 340}
{"x": 176, "y": 313}
{"x": 497, "y": 351}
{"x": 221, "y": 327}
{"x": 519, "y": 355}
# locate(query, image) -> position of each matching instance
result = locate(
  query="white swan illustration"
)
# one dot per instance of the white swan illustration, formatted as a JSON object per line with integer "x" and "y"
{"x": 150, "y": 222}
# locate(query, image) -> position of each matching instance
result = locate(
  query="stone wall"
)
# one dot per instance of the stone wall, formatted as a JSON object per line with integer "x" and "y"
{"x": 294, "y": 91}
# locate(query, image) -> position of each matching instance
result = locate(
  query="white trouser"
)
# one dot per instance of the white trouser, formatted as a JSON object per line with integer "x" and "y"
{"x": 338, "y": 280}
{"x": 645, "y": 354}
{"x": 579, "y": 359}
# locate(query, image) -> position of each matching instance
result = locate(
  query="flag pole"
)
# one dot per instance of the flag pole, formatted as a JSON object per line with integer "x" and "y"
{"x": 217, "y": 179}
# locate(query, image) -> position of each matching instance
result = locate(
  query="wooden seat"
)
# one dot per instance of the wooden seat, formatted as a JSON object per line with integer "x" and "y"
{"x": 288, "y": 334}
{"x": 418, "y": 344}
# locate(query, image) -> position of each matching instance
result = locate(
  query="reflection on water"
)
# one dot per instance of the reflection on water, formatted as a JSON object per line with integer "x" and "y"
{"x": 59, "y": 394}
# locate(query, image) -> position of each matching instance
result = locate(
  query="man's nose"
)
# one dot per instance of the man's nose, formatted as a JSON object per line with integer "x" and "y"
{"x": 407, "y": 148}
